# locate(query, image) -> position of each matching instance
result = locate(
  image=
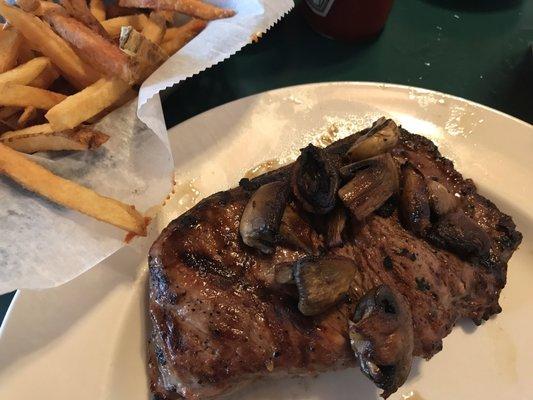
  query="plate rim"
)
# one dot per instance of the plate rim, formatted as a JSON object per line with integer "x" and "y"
{"x": 370, "y": 84}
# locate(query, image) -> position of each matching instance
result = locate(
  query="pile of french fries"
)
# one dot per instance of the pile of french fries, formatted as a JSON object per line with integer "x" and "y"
{"x": 65, "y": 65}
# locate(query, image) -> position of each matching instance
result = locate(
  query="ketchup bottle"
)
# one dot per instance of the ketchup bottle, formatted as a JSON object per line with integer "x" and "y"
{"x": 348, "y": 20}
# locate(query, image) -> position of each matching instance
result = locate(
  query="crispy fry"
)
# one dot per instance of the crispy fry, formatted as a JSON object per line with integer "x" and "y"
{"x": 25, "y": 73}
{"x": 25, "y": 53}
{"x": 31, "y": 6}
{"x": 155, "y": 28}
{"x": 39, "y": 180}
{"x": 31, "y": 130}
{"x": 93, "y": 48}
{"x": 97, "y": 8}
{"x": 83, "y": 105}
{"x": 113, "y": 26}
{"x": 168, "y": 15}
{"x": 114, "y": 10}
{"x": 182, "y": 35}
{"x": 193, "y": 8}
{"x": 29, "y": 114}
{"x": 14, "y": 94}
{"x": 6, "y": 112}
{"x": 43, "y": 138}
{"x": 10, "y": 41}
{"x": 40, "y": 7}
{"x": 8, "y": 124}
{"x": 51, "y": 45}
{"x": 45, "y": 78}
{"x": 146, "y": 56}
{"x": 125, "y": 98}
{"x": 80, "y": 10}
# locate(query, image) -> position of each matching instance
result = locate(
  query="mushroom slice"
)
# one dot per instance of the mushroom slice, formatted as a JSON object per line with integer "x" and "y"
{"x": 441, "y": 200}
{"x": 260, "y": 221}
{"x": 373, "y": 182}
{"x": 460, "y": 234}
{"x": 315, "y": 180}
{"x": 414, "y": 201}
{"x": 284, "y": 273}
{"x": 381, "y": 336}
{"x": 322, "y": 282}
{"x": 335, "y": 226}
{"x": 298, "y": 233}
{"x": 382, "y": 137}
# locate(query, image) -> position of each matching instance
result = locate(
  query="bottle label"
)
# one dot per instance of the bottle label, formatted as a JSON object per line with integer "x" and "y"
{"x": 320, "y": 7}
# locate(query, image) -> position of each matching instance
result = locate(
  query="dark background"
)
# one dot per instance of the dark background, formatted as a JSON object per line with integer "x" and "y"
{"x": 476, "y": 49}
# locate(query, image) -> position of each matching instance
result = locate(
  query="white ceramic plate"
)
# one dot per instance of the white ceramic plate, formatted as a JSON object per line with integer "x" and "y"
{"x": 86, "y": 339}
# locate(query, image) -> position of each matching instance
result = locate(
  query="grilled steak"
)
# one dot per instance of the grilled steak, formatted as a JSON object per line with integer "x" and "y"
{"x": 226, "y": 312}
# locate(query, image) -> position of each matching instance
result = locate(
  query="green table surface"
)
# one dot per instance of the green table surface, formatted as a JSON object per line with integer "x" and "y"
{"x": 476, "y": 49}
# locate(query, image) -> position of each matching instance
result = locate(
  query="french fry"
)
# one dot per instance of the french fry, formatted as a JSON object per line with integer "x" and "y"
{"x": 179, "y": 37}
{"x": 31, "y": 6}
{"x": 146, "y": 56}
{"x": 125, "y": 98}
{"x": 14, "y": 94}
{"x": 83, "y": 105}
{"x": 41, "y": 36}
{"x": 113, "y": 25}
{"x": 39, "y": 180}
{"x": 10, "y": 41}
{"x": 8, "y": 118}
{"x": 45, "y": 78}
{"x": 97, "y": 8}
{"x": 168, "y": 15}
{"x": 80, "y": 11}
{"x": 93, "y": 48}
{"x": 40, "y": 7}
{"x": 155, "y": 28}
{"x": 114, "y": 10}
{"x": 28, "y": 115}
{"x": 193, "y": 8}
{"x": 6, "y": 112}
{"x": 25, "y": 73}
{"x": 42, "y": 138}
{"x": 25, "y": 53}
{"x": 31, "y": 130}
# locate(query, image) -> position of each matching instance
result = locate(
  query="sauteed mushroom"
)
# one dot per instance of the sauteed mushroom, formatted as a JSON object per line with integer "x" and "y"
{"x": 462, "y": 235}
{"x": 322, "y": 282}
{"x": 373, "y": 182}
{"x": 440, "y": 199}
{"x": 336, "y": 224}
{"x": 381, "y": 335}
{"x": 298, "y": 233}
{"x": 382, "y": 137}
{"x": 260, "y": 221}
{"x": 315, "y": 180}
{"x": 414, "y": 201}
{"x": 284, "y": 273}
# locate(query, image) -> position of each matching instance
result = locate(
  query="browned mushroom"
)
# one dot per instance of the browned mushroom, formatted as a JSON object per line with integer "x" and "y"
{"x": 440, "y": 199}
{"x": 382, "y": 137}
{"x": 284, "y": 273}
{"x": 297, "y": 233}
{"x": 315, "y": 180}
{"x": 381, "y": 335}
{"x": 335, "y": 226}
{"x": 260, "y": 221}
{"x": 373, "y": 182}
{"x": 322, "y": 282}
{"x": 414, "y": 201}
{"x": 460, "y": 234}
